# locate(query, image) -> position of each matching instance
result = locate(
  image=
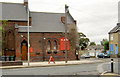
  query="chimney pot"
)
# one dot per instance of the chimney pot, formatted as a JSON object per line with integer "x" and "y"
{"x": 118, "y": 23}
{"x": 63, "y": 19}
{"x": 25, "y": 2}
{"x": 75, "y": 22}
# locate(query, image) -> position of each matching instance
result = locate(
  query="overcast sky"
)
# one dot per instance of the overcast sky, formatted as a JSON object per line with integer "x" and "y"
{"x": 95, "y": 18}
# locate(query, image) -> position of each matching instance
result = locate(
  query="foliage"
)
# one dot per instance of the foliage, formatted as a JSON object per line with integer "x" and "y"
{"x": 106, "y": 46}
{"x": 73, "y": 36}
{"x": 3, "y": 23}
{"x": 92, "y": 43}
{"x": 83, "y": 40}
{"x": 103, "y": 41}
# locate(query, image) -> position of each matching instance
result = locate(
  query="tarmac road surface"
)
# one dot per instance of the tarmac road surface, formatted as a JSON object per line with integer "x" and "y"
{"x": 82, "y": 69}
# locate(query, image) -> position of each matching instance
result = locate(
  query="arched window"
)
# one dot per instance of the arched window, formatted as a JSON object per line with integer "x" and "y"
{"x": 48, "y": 45}
{"x": 55, "y": 45}
{"x": 10, "y": 40}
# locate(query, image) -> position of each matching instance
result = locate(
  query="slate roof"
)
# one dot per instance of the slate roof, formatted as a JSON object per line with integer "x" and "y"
{"x": 46, "y": 22}
{"x": 41, "y": 21}
{"x": 13, "y": 11}
{"x": 95, "y": 47}
{"x": 115, "y": 29}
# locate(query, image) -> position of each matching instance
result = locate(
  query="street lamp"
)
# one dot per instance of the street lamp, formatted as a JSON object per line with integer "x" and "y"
{"x": 28, "y": 36}
{"x": 66, "y": 11}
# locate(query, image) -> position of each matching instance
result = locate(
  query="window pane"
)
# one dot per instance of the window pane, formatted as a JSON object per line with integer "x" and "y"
{"x": 111, "y": 36}
{"x": 55, "y": 45}
{"x": 48, "y": 45}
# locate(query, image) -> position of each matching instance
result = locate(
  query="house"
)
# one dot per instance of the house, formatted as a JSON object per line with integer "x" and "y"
{"x": 46, "y": 32}
{"x": 114, "y": 40}
{"x": 95, "y": 50}
{"x": 96, "y": 47}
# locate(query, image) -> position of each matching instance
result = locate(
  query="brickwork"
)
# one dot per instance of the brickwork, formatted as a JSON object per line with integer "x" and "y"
{"x": 38, "y": 41}
{"x": 115, "y": 41}
{"x": 12, "y": 63}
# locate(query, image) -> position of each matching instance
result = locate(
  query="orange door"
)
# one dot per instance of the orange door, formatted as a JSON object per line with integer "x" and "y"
{"x": 24, "y": 52}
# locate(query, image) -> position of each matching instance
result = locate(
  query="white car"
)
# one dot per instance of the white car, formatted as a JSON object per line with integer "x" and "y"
{"x": 86, "y": 55}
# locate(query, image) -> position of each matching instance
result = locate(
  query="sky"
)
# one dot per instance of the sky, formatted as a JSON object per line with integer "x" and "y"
{"x": 95, "y": 18}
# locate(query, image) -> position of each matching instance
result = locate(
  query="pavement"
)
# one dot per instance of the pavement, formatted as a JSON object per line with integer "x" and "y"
{"x": 57, "y": 63}
{"x": 110, "y": 74}
{"x": 62, "y": 63}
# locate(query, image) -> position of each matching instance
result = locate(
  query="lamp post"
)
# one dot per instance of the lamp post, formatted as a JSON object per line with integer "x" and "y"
{"x": 28, "y": 36}
{"x": 66, "y": 10}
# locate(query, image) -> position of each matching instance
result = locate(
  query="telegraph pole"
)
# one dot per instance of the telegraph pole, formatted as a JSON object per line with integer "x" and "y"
{"x": 28, "y": 37}
{"x": 66, "y": 10}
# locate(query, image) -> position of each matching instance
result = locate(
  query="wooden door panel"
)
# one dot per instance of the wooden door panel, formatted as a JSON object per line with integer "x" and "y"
{"x": 24, "y": 52}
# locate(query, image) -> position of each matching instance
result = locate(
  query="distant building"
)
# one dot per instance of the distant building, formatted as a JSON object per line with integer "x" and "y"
{"x": 114, "y": 40}
{"x": 46, "y": 31}
{"x": 96, "y": 47}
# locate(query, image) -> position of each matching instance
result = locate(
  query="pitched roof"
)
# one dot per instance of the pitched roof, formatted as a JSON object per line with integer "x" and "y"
{"x": 41, "y": 21}
{"x": 46, "y": 22}
{"x": 115, "y": 29}
{"x": 13, "y": 11}
{"x": 96, "y": 47}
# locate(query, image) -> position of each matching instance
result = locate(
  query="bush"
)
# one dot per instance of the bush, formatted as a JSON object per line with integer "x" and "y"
{"x": 0, "y": 53}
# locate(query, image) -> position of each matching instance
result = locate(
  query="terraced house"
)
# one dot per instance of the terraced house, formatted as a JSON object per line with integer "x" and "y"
{"x": 114, "y": 40}
{"x": 46, "y": 32}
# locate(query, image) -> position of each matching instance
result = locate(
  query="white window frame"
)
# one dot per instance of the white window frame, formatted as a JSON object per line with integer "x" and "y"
{"x": 111, "y": 37}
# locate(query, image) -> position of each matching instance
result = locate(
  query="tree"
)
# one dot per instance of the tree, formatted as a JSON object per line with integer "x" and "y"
{"x": 83, "y": 40}
{"x": 3, "y": 23}
{"x": 103, "y": 41}
{"x": 92, "y": 43}
{"x": 106, "y": 46}
{"x": 73, "y": 36}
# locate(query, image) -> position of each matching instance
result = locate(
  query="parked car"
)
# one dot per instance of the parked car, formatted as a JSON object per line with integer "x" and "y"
{"x": 103, "y": 55}
{"x": 86, "y": 55}
{"x": 106, "y": 56}
{"x": 100, "y": 55}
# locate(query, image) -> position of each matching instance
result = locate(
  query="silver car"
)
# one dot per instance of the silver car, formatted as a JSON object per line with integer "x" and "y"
{"x": 86, "y": 55}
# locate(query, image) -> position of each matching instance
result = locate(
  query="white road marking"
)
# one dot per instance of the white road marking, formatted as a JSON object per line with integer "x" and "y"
{"x": 100, "y": 68}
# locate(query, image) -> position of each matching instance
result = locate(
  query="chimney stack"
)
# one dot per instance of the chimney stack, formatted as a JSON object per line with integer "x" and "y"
{"x": 118, "y": 23}
{"x": 25, "y": 2}
{"x": 75, "y": 22}
{"x": 63, "y": 19}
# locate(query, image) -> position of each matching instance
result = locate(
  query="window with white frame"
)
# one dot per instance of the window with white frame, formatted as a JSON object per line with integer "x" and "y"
{"x": 55, "y": 45}
{"x": 48, "y": 45}
{"x": 111, "y": 36}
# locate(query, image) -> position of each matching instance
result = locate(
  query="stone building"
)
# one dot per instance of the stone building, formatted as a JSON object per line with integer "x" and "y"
{"x": 46, "y": 30}
{"x": 114, "y": 40}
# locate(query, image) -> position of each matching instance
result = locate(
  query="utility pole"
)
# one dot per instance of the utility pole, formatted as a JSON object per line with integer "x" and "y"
{"x": 66, "y": 11}
{"x": 28, "y": 37}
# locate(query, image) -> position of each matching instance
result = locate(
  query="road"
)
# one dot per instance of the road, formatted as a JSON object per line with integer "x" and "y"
{"x": 81, "y": 69}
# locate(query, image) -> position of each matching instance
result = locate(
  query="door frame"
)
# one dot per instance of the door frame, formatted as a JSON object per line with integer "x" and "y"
{"x": 24, "y": 41}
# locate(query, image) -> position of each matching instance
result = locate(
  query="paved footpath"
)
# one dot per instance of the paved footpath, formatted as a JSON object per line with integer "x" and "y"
{"x": 57, "y": 63}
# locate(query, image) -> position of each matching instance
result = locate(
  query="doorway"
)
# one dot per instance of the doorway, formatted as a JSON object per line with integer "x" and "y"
{"x": 116, "y": 49}
{"x": 24, "y": 50}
